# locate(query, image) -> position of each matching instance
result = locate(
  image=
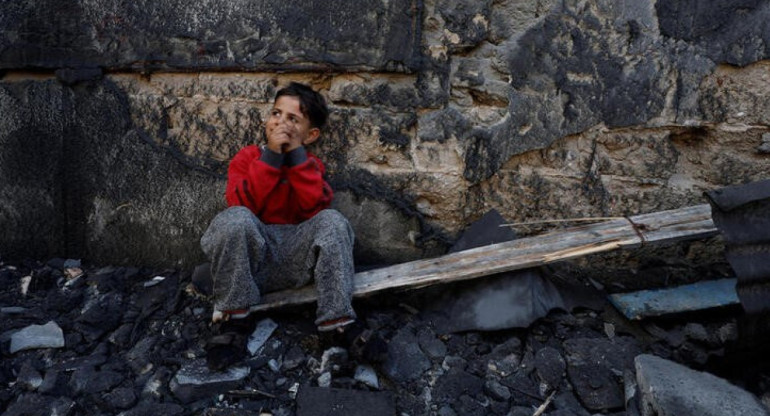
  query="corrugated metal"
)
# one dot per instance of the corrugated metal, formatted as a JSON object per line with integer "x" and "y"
{"x": 742, "y": 215}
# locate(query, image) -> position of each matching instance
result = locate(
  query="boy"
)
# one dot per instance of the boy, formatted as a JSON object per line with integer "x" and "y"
{"x": 278, "y": 232}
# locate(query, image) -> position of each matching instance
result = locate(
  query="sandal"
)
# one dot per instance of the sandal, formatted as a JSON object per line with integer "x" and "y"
{"x": 333, "y": 324}
{"x": 224, "y": 316}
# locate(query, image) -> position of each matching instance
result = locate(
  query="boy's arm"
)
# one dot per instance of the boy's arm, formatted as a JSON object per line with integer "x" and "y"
{"x": 250, "y": 178}
{"x": 305, "y": 175}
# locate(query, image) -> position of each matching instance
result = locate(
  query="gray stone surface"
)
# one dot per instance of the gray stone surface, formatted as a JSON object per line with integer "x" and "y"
{"x": 405, "y": 360}
{"x": 37, "y": 336}
{"x": 595, "y": 369}
{"x": 318, "y": 401}
{"x": 260, "y": 335}
{"x": 457, "y": 382}
{"x": 154, "y": 409}
{"x": 366, "y": 375}
{"x": 206, "y": 34}
{"x": 38, "y": 404}
{"x": 497, "y": 391}
{"x": 29, "y": 378}
{"x": 31, "y": 138}
{"x": 669, "y": 389}
{"x": 195, "y": 381}
{"x": 90, "y": 381}
{"x": 549, "y": 367}
{"x": 731, "y": 31}
{"x": 431, "y": 345}
{"x": 506, "y": 300}
{"x": 117, "y": 120}
{"x": 333, "y": 360}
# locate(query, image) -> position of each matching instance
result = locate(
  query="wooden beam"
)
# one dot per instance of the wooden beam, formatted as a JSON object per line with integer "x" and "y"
{"x": 657, "y": 227}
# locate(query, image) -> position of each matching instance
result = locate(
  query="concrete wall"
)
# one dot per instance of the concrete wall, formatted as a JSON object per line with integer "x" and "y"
{"x": 117, "y": 120}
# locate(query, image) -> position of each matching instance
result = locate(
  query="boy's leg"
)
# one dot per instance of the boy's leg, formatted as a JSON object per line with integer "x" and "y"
{"x": 236, "y": 245}
{"x": 320, "y": 248}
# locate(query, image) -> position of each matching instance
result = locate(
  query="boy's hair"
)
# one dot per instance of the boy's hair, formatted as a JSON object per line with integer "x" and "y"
{"x": 311, "y": 103}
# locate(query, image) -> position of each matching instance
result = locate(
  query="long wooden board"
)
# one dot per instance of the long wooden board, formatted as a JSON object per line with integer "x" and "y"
{"x": 663, "y": 226}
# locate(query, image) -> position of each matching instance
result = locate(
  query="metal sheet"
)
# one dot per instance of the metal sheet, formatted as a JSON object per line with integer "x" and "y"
{"x": 694, "y": 297}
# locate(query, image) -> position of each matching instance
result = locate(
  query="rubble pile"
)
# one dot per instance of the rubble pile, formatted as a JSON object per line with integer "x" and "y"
{"x": 133, "y": 341}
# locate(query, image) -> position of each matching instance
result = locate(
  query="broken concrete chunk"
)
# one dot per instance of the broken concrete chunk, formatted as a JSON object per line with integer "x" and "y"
{"x": 195, "y": 380}
{"x": 455, "y": 383}
{"x": 366, "y": 375}
{"x": 294, "y": 358}
{"x": 334, "y": 359}
{"x": 685, "y": 298}
{"x": 595, "y": 367}
{"x": 89, "y": 381}
{"x": 325, "y": 380}
{"x": 24, "y": 284}
{"x": 29, "y": 378}
{"x": 154, "y": 281}
{"x": 274, "y": 365}
{"x": 71, "y": 264}
{"x": 37, "y": 336}
{"x": 154, "y": 409}
{"x": 38, "y": 404}
{"x": 122, "y": 397}
{"x": 431, "y": 345}
{"x": 497, "y": 391}
{"x": 261, "y": 334}
{"x": 405, "y": 360}
{"x": 73, "y": 271}
{"x": 316, "y": 401}
{"x": 696, "y": 332}
{"x": 12, "y": 310}
{"x": 549, "y": 367}
{"x": 670, "y": 389}
{"x": 155, "y": 386}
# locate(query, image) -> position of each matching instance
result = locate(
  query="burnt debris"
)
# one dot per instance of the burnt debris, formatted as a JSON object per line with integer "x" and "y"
{"x": 134, "y": 343}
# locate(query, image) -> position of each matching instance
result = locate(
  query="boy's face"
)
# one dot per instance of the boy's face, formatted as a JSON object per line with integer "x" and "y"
{"x": 287, "y": 127}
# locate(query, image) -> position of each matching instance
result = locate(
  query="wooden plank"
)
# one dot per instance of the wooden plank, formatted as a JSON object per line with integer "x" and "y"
{"x": 664, "y": 226}
{"x": 686, "y": 298}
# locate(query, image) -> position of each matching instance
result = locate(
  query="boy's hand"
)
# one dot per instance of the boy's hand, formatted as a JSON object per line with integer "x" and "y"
{"x": 283, "y": 138}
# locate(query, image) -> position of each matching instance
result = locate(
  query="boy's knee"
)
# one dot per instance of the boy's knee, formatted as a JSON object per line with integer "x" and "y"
{"x": 235, "y": 218}
{"x": 331, "y": 216}
{"x": 232, "y": 221}
{"x": 334, "y": 221}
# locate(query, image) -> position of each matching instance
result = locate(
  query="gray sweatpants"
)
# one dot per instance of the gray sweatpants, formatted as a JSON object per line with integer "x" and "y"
{"x": 249, "y": 258}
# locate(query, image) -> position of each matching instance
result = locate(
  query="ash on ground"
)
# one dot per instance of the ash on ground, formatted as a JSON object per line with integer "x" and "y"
{"x": 131, "y": 341}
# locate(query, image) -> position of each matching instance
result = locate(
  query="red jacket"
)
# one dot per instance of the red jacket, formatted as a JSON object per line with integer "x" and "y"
{"x": 288, "y": 195}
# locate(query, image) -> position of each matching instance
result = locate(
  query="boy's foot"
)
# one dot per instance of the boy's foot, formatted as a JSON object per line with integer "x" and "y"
{"x": 333, "y": 324}
{"x": 223, "y": 316}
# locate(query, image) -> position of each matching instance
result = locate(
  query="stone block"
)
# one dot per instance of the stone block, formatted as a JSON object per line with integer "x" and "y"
{"x": 405, "y": 360}
{"x": 194, "y": 381}
{"x": 32, "y": 137}
{"x": 593, "y": 369}
{"x": 206, "y": 34}
{"x": 668, "y": 389}
{"x": 37, "y": 336}
{"x": 319, "y": 401}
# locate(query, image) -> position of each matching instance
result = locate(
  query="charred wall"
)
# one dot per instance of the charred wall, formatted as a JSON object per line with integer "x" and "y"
{"x": 117, "y": 120}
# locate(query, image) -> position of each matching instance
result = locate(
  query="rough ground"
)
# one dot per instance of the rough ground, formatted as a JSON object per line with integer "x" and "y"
{"x": 125, "y": 343}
